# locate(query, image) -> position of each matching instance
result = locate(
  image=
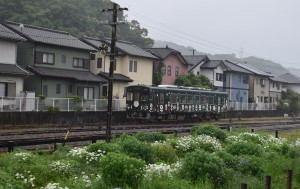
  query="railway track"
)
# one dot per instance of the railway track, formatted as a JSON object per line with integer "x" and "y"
{"x": 48, "y": 135}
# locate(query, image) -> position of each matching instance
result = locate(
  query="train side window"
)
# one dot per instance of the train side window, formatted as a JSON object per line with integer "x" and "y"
{"x": 161, "y": 98}
{"x": 182, "y": 99}
{"x": 211, "y": 100}
{"x": 204, "y": 99}
{"x": 190, "y": 99}
{"x": 173, "y": 98}
{"x": 197, "y": 99}
{"x": 136, "y": 96}
{"x": 144, "y": 97}
{"x": 129, "y": 96}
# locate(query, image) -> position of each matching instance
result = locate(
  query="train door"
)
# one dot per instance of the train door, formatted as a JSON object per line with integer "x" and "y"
{"x": 204, "y": 102}
{"x": 182, "y": 102}
{"x": 174, "y": 102}
{"x": 158, "y": 101}
{"x": 211, "y": 103}
{"x": 197, "y": 102}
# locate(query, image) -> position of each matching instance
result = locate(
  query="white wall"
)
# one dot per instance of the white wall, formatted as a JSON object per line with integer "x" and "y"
{"x": 8, "y": 52}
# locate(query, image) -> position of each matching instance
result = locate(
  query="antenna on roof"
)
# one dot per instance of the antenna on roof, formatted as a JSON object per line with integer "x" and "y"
{"x": 21, "y": 26}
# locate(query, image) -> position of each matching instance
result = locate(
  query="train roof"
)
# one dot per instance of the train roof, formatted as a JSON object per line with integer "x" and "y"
{"x": 178, "y": 88}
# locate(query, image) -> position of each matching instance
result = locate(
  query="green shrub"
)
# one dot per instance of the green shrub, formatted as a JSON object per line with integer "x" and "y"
{"x": 200, "y": 165}
{"x": 245, "y": 148}
{"x": 150, "y": 136}
{"x": 8, "y": 181}
{"x": 164, "y": 152}
{"x": 104, "y": 147}
{"x": 135, "y": 148}
{"x": 249, "y": 165}
{"x": 210, "y": 130}
{"x": 53, "y": 109}
{"x": 120, "y": 170}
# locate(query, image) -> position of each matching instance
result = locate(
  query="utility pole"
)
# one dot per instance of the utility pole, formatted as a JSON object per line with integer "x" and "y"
{"x": 112, "y": 56}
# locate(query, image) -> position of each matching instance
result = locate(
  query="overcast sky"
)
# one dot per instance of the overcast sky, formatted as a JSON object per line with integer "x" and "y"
{"x": 269, "y": 29}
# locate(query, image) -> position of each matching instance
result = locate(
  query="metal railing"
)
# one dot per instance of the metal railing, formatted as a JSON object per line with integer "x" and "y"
{"x": 22, "y": 104}
{"x": 252, "y": 106}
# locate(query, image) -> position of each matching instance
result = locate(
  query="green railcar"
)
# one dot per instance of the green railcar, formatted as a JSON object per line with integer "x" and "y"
{"x": 173, "y": 102}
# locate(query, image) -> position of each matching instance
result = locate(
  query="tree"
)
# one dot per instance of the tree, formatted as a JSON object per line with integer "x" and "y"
{"x": 79, "y": 18}
{"x": 192, "y": 80}
{"x": 158, "y": 75}
{"x": 290, "y": 101}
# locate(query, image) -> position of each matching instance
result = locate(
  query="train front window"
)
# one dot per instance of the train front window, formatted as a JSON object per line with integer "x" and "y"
{"x": 144, "y": 97}
{"x": 129, "y": 96}
{"x": 136, "y": 96}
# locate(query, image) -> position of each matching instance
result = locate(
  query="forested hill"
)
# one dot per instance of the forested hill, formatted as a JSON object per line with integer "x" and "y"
{"x": 78, "y": 17}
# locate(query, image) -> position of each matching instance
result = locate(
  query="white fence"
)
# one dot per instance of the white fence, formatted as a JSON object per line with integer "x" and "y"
{"x": 21, "y": 104}
{"x": 252, "y": 106}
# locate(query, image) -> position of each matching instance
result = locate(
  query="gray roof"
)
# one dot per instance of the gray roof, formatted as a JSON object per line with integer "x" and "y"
{"x": 6, "y": 33}
{"x": 211, "y": 64}
{"x": 266, "y": 66}
{"x": 290, "y": 78}
{"x": 278, "y": 79}
{"x": 194, "y": 59}
{"x": 13, "y": 69}
{"x": 235, "y": 68}
{"x": 254, "y": 70}
{"x": 117, "y": 77}
{"x": 122, "y": 47}
{"x": 48, "y": 36}
{"x": 163, "y": 53}
{"x": 66, "y": 73}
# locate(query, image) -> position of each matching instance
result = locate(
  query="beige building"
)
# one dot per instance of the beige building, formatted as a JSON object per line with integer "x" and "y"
{"x": 133, "y": 65}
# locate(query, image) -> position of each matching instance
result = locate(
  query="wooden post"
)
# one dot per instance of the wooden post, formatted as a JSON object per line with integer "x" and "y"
{"x": 252, "y": 130}
{"x": 276, "y": 134}
{"x": 243, "y": 186}
{"x": 94, "y": 140}
{"x": 289, "y": 179}
{"x": 268, "y": 182}
{"x": 10, "y": 146}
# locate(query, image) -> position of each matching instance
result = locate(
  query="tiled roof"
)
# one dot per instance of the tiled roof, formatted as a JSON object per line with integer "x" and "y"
{"x": 122, "y": 47}
{"x": 48, "y": 36}
{"x": 117, "y": 77}
{"x": 254, "y": 70}
{"x": 162, "y": 52}
{"x": 66, "y": 73}
{"x": 194, "y": 59}
{"x": 212, "y": 64}
{"x": 290, "y": 78}
{"x": 6, "y": 33}
{"x": 275, "y": 78}
{"x": 235, "y": 68}
{"x": 13, "y": 69}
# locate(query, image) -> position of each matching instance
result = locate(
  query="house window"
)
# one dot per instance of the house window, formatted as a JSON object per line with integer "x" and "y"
{"x": 86, "y": 92}
{"x": 45, "y": 90}
{"x": 8, "y": 89}
{"x": 44, "y": 58}
{"x": 104, "y": 91}
{"x": 58, "y": 86}
{"x": 262, "y": 82}
{"x": 219, "y": 77}
{"x": 176, "y": 71}
{"x": 163, "y": 69}
{"x": 245, "y": 79}
{"x": 78, "y": 62}
{"x": 99, "y": 63}
{"x": 132, "y": 66}
{"x": 70, "y": 88}
{"x": 169, "y": 70}
{"x": 63, "y": 59}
